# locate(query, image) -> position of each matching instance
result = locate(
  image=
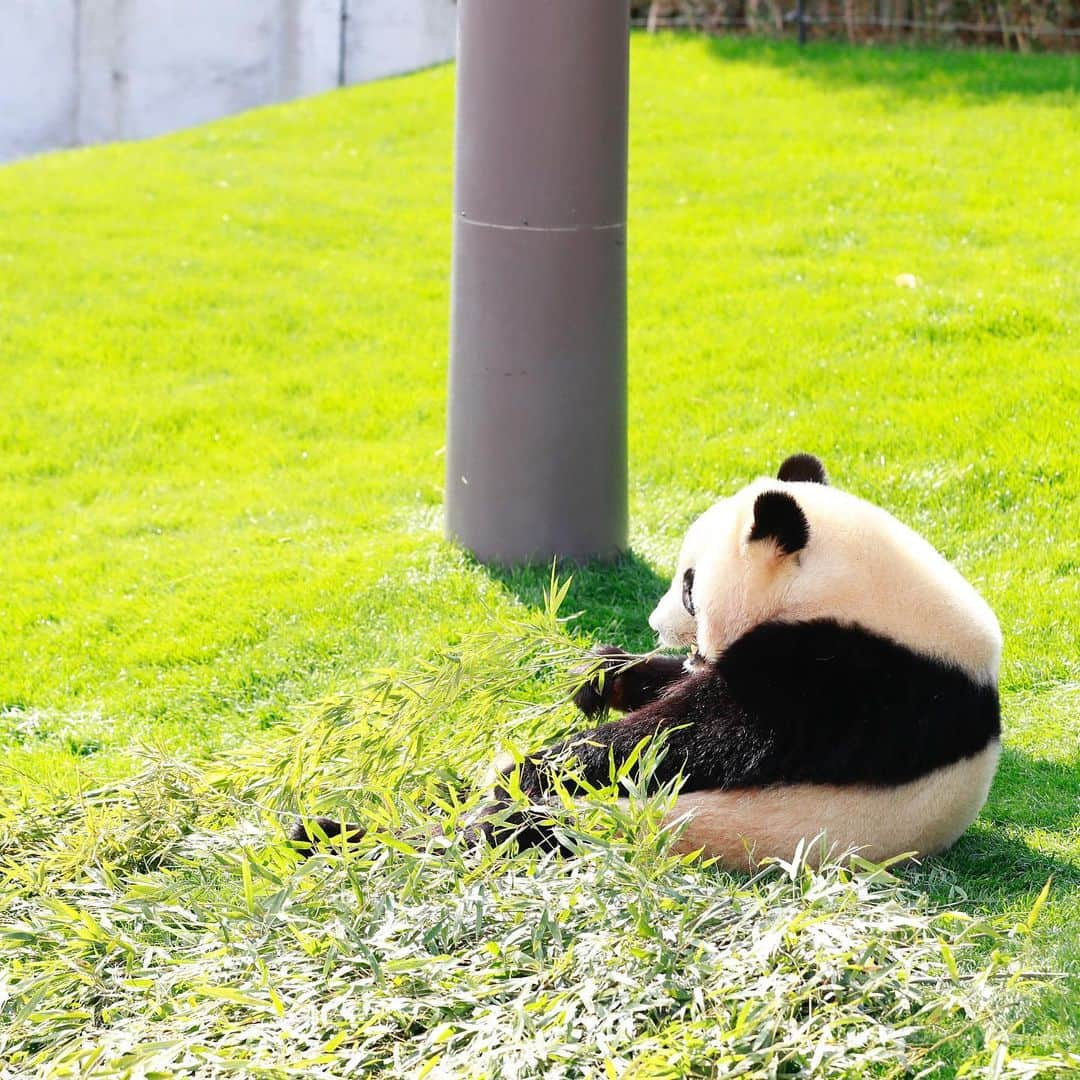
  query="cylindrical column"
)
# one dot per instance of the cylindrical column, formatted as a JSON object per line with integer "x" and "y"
{"x": 536, "y": 447}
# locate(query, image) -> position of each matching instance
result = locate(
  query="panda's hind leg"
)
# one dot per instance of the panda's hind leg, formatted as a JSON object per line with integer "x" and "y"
{"x": 308, "y": 834}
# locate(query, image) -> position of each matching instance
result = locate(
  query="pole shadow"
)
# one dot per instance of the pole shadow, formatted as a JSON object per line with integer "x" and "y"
{"x": 613, "y": 599}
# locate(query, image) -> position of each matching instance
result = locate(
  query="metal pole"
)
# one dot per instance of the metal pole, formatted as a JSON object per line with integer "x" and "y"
{"x": 536, "y": 446}
{"x": 802, "y": 21}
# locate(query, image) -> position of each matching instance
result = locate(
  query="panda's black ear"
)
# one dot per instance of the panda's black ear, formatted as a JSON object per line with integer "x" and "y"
{"x": 803, "y": 468}
{"x": 778, "y": 517}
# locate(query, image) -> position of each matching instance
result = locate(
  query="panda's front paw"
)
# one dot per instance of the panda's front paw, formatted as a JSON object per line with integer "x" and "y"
{"x": 600, "y": 691}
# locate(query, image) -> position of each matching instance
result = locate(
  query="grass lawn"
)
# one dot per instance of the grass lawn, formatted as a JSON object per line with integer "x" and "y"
{"x": 223, "y": 363}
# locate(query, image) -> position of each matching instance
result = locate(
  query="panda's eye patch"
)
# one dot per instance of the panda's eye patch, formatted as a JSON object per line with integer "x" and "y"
{"x": 687, "y": 591}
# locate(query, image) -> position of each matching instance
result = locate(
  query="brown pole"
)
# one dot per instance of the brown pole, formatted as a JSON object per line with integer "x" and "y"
{"x": 536, "y": 446}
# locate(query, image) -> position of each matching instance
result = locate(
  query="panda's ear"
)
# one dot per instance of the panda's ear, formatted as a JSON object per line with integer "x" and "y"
{"x": 778, "y": 517}
{"x": 803, "y": 468}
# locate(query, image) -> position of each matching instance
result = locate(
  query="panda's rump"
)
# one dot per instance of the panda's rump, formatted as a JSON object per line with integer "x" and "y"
{"x": 741, "y": 827}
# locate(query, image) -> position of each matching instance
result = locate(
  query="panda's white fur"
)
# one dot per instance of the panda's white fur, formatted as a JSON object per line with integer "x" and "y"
{"x": 859, "y": 566}
{"x": 739, "y": 828}
{"x": 856, "y": 567}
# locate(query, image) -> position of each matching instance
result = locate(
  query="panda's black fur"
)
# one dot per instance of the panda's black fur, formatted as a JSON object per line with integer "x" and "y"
{"x": 802, "y": 703}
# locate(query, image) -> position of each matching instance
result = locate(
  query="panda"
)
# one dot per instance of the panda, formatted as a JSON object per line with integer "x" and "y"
{"x": 841, "y": 683}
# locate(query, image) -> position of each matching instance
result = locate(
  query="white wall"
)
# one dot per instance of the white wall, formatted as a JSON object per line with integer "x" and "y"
{"x": 37, "y": 75}
{"x": 85, "y": 71}
{"x": 389, "y": 37}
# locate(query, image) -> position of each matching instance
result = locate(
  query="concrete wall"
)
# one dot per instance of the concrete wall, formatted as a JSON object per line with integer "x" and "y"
{"x": 389, "y": 37}
{"x": 85, "y": 71}
{"x": 38, "y": 75}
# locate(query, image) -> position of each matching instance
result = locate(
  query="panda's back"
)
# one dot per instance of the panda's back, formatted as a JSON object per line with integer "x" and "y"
{"x": 871, "y": 570}
{"x": 827, "y": 703}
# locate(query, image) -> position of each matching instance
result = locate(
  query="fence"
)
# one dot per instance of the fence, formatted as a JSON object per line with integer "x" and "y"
{"x": 1022, "y": 25}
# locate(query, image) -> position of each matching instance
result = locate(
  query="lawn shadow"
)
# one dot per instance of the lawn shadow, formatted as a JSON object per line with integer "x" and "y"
{"x": 991, "y": 865}
{"x": 992, "y": 860}
{"x": 974, "y": 75}
{"x": 611, "y": 600}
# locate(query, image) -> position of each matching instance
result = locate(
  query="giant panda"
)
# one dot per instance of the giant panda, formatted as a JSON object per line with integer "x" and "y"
{"x": 841, "y": 684}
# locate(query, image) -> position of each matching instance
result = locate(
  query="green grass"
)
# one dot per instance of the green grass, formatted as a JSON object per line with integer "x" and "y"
{"x": 223, "y": 359}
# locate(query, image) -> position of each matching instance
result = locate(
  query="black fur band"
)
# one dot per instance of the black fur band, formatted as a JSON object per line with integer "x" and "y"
{"x": 791, "y": 703}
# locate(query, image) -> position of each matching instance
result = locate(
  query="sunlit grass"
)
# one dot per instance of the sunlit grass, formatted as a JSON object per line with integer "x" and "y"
{"x": 223, "y": 361}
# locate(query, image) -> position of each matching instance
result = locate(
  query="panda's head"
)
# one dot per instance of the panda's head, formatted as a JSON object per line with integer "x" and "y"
{"x": 794, "y": 549}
